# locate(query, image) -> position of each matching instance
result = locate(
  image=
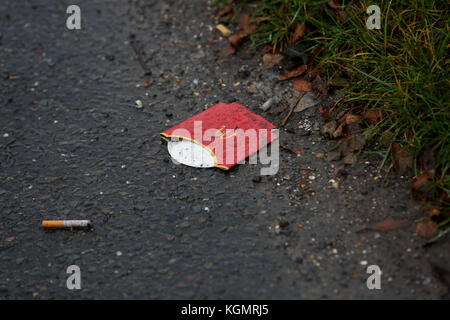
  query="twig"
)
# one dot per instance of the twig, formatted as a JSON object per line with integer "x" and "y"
{"x": 292, "y": 109}
{"x": 139, "y": 58}
{"x": 295, "y": 151}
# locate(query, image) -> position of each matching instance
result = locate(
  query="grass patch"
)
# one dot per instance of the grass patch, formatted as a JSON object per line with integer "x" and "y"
{"x": 401, "y": 69}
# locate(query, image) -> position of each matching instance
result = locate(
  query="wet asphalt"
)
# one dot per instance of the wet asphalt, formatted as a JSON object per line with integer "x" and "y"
{"x": 73, "y": 145}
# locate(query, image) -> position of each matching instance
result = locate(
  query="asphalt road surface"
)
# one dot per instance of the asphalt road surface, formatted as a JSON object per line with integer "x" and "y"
{"x": 73, "y": 145}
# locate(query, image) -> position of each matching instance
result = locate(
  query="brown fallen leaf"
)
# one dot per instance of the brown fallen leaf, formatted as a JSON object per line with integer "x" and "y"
{"x": 227, "y": 50}
{"x": 434, "y": 212}
{"x": 332, "y": 4}
{"x": 292, "y": 149}
{"x": 338, "y": 132}
{"x": 341, "y": 114}
{"x": 244, "y": 21}
{"x": 324, "y": 113}
{"x": 426, "y": 229}
{"x": 403, "y": 160}
{"x": 227, "y": 10}
{"x": 328, "y": 129}
{"x": 333, "y": 155}
{"x": 339, "y": 170}
{"x": 246, "y": 27}
{"x": 147, "y": 84}
{"x": 353, "y": 128}
{"x": 373, "y": 116}
{"x": 349, "y": 119}
{"x": 422, "y": 184}
{"x": 270, "y": 60}
{"x": 294, "y": 73}
{"x": 235, "y": 40}
{"x": 300, "y": 31}
{"x": 351, "y": 144}
{"x": 350, "y": 158}
{"x": 44, "y": 197}
{"x": 336, "y": 7}
{"x": 302, "y": 85}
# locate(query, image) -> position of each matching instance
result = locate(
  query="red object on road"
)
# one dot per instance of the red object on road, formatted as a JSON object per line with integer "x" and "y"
{"x": 228, "y": 132}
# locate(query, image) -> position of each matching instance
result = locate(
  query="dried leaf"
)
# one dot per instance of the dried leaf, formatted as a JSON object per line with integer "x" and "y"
{"x": 247, "y": 27}
{"x": 300, "y": 31}
{"x": 403, "y": 160}
{"x": 338, "y": 132}
{"x": 421, "y": 181}
{"x": 333, "y": 155}
{"x": 422, "y": 185}
{"x": 434, "y": 212}
{"x": 270, "y": 60}
{"x": 352, "y": 144}
{"x": 294, "y": 73}
{"x": 350, "y": 158}
{"x": 302, "y": 85}
{"x": 225, "y": 11}
{"x": 351, "y": 118}
{"x": 373, "y": 116}
{"x": 227, "y": 50}
{"x": 328, "y": 129}
{"x": 337, "y": 7}
{"x": 339, "y": 170}
{"x": 426, "y": 229}
{"x": 235, "y": 40}
{"x": 332, "y": 4}
{"x": 243, "y": 23}
{"x": 324, "y": 112}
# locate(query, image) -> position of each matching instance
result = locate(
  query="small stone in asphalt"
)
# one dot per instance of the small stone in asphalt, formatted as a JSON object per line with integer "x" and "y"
{"x": 256, "y": 179}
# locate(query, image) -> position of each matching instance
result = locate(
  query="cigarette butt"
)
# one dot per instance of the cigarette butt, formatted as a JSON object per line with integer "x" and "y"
{"x": 66, "y": 223}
